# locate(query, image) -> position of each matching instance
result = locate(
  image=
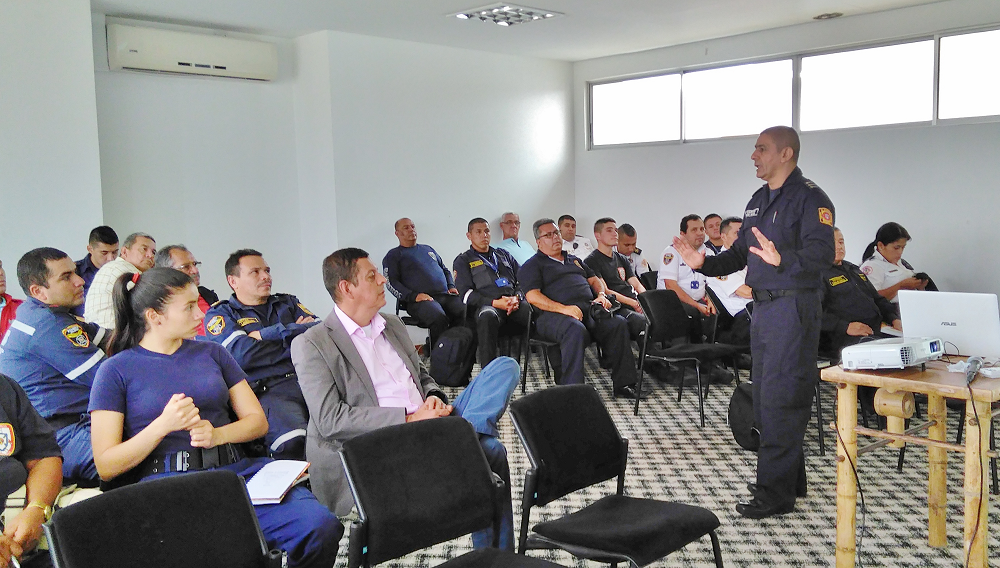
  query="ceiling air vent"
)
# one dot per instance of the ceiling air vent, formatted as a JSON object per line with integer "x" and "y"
{"x": 506, "y": 14}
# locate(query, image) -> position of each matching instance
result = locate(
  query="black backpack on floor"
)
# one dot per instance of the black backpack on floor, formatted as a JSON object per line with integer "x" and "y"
{"x": 452, "y": 357}
{"x": 741, "y": 420}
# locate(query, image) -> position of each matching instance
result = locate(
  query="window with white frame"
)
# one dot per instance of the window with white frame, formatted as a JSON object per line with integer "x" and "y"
{"x": 969, "y": 75}
{"x": 738, "y": 100}
{"x": 637, "y": 110}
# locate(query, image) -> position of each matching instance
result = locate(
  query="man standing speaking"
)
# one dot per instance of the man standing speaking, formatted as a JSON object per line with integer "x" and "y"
{"x": 785, "y": 242}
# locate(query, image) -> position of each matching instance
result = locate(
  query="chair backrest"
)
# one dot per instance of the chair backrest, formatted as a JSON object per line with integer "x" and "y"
{"x": 570, "y": 438}
{"x": 666, "y": 315}
{"x": 418, "y": 484}
{"x": 724, "y": 318}
{"x": 648, "y": 280}
{"x": 192, "y": 520}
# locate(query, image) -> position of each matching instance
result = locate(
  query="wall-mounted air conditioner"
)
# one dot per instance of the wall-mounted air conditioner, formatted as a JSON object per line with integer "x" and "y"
{"x": 154, "y": 49}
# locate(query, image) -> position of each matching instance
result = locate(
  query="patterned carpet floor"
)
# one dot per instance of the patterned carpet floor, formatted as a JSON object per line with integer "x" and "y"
{"x": 671, "y": 458}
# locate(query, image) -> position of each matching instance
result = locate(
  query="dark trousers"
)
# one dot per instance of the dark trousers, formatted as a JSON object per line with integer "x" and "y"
{"x": 636, "y": 321}
{"x": 612, "y": 334}
{"x": 287, "y": 416}
{"x": 700, "y": 326}
{"x": 439, "y": 314}
{"x": 784, "y": 341}
{"x": 490, "y": 321}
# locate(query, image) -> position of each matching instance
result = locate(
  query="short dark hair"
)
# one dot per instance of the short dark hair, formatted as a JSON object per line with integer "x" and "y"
{"x": 629, "y": 230}
{"x": 33, "y": 268}
{"x": 339, "y": 266}
{"x": 131, "y": 239}
{"x": 103, "y": 235}
{"x": 785, "y": 137}
{"x": 477, "y": 221}
{"x": 712, "y": 216}
{"x": 686, "y": 219}
{"x": 163, "y": 257}
{"x": 543, "y": 221}
{"x": 599, "y": 224}
{"x": 565, "y": 218}
{"x": 233, "y": 262}
{"x": 727, "y": 222}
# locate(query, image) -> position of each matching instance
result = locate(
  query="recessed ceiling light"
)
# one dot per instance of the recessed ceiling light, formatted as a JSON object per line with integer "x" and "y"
{"x": 505, "y": 14}
{"x": 828, "y": 16}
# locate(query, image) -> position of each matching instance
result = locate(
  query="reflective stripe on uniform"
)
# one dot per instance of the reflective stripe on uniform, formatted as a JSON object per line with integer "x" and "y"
{"x": 291, "y": 434}
{"x": 232, "y": 337}
{"x": 99, "y": 335}
{"x": 22, "y": 327}
{"x": 94, "y": 359}
{"x": 465, "y": 300}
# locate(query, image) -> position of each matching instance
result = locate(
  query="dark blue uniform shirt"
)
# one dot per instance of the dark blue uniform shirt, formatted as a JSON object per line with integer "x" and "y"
{"x": 85, "y": 269}
{"x": 848, "y": 296}
{"x": 798, "y": 217}
{"x": 564, "y": 282}
{"x": 24, "y": 435}
{"x": 416, "y": 270}
{"x": 229, "y": 321}
{"x": 54, "y": 356}
{"x": 478, "y": 275}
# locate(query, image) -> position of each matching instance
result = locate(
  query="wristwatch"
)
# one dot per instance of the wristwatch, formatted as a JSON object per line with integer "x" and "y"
{"x": 46, "y": 509}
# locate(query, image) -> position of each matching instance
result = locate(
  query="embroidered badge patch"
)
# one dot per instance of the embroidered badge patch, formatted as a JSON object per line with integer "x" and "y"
{"x": 668, "y": 258}
{"x": 862, "y": 275}
{"x": 621, "y": 272}
{"x": 430, "y": 254}
{"x": 825, "y": 216}
{"x": 243, "y": 322}
{"x": 75, "y": 334}
{"x": 838, "y": 280}
{"x": 475, "y": 263}
{"x": 6, "y": 440}
{"x": 216, "y": 325}
{"x": 866, "y": 269}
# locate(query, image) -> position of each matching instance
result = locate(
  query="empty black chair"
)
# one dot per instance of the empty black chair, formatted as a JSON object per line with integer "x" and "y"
{"x": 572, "y": 443}
{"x": 195, "y": 520}
{"x": 420, "y": 484}
{"x": 648, "y": 280}
{"x": 668, "y": 323}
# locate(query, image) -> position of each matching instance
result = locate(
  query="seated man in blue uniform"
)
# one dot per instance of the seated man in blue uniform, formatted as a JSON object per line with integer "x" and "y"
{"x": 571, "y": 298}
{"x": 616, "y": 275}
{"x": 359, "y": 372}
{"x": 29, "y": 456}
{"x": 54, "y": 355}
{"x": 417, "y": 275}
{"x": 257, "y": 328}
{"x": 487, "y": 280}
{"x": 102, "y": 248}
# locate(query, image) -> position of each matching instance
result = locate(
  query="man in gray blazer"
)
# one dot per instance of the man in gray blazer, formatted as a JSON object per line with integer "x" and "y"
{"x": 359, "y": 372}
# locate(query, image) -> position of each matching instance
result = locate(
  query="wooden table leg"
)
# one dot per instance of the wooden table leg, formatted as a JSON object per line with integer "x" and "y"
{"x": 937, "y": 460}
{"x": 847, "y": 489}
{"x": 977, "y": 498}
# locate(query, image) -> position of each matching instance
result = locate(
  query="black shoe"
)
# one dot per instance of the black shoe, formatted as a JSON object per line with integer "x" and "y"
{"x": 720, "y": 376}
{"x": 743, "y": 361}
{"x": 752, "y": 487}
{"x": 757, "y": 509}
{"x": 628, "y": 391}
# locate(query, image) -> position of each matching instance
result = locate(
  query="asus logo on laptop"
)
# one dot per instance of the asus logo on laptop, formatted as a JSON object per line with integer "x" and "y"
{"x": 950, "y": 323}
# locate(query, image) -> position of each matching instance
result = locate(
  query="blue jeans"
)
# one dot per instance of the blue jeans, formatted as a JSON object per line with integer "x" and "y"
{"x": 482, "y": 403}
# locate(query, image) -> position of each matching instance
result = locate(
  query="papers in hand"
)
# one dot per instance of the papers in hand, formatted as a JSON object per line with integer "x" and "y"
{"x": 273, "y": 481}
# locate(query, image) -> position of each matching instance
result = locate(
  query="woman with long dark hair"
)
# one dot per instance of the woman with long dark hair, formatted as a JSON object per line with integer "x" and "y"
{"x": 162, "y": 396}
{"x": 885, "y": 268}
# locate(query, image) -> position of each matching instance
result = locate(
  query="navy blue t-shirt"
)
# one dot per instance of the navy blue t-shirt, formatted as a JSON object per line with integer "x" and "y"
{"x": 138, "y": 383}
{"x": 564, "y": 282}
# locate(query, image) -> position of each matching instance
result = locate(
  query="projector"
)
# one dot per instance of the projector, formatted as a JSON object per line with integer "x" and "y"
{"x": 892, "y": 353}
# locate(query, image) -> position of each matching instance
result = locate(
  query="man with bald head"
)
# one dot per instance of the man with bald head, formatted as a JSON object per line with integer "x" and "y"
{"x": 418, "y": 276}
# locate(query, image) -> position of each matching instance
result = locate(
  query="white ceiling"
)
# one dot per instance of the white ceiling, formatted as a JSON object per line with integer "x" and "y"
{"x": 589, "y": 29}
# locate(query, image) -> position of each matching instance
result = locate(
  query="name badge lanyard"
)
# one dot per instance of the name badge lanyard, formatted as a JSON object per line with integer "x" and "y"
{"x": 501, "y": 281}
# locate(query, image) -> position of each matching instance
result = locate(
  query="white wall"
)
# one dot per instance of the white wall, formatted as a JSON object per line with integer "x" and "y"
{"x": 50, "y": 184}
{"x": 940, "y": 182}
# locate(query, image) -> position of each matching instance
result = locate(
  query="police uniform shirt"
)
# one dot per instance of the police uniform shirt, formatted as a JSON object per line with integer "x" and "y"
{"x": 849, "y": 296}
{"x": 54, "y": 356}
{"x": 229, "y": 321}
{"x": 636, "y": 262}
{"x": 614, "y": 269}
{"x": 416, "y": 270}
{"x": 24, "y": 434}
{"x": 673, "y": 267}
{"x": 884, "y": 274}
{"x": 484, "y": 277}
{"x": 563, "y": 281}
{"x": 725, "y": 288}
{"x": 579, "y": 247}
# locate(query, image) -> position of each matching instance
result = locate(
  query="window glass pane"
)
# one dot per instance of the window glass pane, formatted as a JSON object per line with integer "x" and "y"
{"x": 866, "y": 87}
{"x": 739, "y": 100}
{"x": 970, "y": 75}
{"x": 639, "y": 110}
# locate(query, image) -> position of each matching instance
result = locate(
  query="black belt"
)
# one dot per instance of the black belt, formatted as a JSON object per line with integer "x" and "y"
{"x": 60, "y": 421}
{"x": 193, "y": 459}
{"x": 261, "y": 386}
{"x": 761, "y": 295}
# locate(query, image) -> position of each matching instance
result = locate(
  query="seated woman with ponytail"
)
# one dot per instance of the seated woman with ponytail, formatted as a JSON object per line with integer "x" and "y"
{"x": 885, "y": 268}
{"x": 162, "y": 393}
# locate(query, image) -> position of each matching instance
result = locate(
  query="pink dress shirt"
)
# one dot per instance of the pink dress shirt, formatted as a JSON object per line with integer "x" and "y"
{"x": 393, "y": 382}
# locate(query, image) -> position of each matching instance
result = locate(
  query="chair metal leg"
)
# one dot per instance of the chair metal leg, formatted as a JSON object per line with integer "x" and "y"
{"x": 902, "y": 456}
{"x": 819, "y": 422}
{"x": 716, "y": 549}
{"x": 642, "y": 362}
{"x": 545, "y": 361}
{"x": 680, "y": 385}
{"x": 527, "y": 500}
{"x": 701, "y": 399}
{"x": 526, "y": 350}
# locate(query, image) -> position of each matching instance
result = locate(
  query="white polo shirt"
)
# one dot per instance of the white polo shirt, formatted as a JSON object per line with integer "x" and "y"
{"x": 884, "y": 274}
{"x": 725, "y": 288}
{"x": 673, "y": 267}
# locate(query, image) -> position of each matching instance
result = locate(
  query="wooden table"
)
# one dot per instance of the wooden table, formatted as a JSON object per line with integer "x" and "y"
{"x": 938, "y": 384}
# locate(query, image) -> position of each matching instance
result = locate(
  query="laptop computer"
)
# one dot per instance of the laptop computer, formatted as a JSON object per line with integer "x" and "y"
{"x": 968, "y": 323}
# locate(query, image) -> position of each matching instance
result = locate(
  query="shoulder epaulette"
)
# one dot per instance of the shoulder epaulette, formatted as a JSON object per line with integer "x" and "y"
{"x": 219, "y": 303}
{"x": 809, "y": 183}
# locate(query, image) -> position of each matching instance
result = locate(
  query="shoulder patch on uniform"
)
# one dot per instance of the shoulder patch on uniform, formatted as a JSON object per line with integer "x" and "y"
{"x": 76, "y": 335}
{"x": 6, "y": 440}
{"x": 838, "y": 280}
{"x": 809, "y": 183}
{"x": 431, "y": 254}
{"x": 304, "y": 309}
{"x": 668, "y": 258}
{"x": 242, "y": 322}
{"x": 475, "y": 263}
{"x": 825, "y": 216}
{"x": 216, "y": 325}
{"x": 621, "y": 272}
{"x": 722, "y": 278}
{"x": 867, "y": 269}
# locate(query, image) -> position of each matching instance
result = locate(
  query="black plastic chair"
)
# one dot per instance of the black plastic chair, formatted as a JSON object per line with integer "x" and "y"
{"x": 531, "y": 342}
{"x": 409, "y": 320}
{"x": 648, "y": 280}
{"x": 572, "y": 443}
{"x": 420, "y": 484}
{"x": 195, "y": 520}
{"x": 668, "y": 323}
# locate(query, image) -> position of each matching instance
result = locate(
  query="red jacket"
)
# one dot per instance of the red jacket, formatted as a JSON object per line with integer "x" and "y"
{"x": 9, "y": 313}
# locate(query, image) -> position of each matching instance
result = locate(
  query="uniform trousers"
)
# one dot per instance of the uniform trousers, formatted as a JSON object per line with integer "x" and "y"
{"x": 78, "y": 453}
{"x": 572, "y": 335}
{"x": 287, "y": 416}
{"x": 438, "y": 314}
{"x": 636, "y": 321}
{"x": 489, "y": 322}
{"x": 784, "y": 340}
